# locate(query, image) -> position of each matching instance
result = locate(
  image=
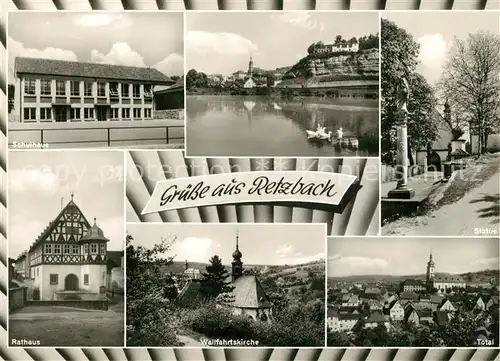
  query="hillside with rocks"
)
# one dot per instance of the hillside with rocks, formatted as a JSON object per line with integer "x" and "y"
{"x": 331, "y": 67}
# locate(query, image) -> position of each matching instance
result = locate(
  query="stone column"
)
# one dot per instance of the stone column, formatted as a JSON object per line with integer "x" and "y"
{"x": 402, "y": 191}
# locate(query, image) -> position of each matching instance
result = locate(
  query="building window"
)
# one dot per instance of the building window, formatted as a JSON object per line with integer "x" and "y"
{"x": 45, "y": 113}
{"x": 75, "y": 88}
{"x": 125, "y": 113}
{"x": 93, "y": 248}
{"x": 102, "y": 251}
{"x": 38, "y": 272}
{"x": 147, "y": 113}
{"x": 115, "y": 113}
{"x": 113, "y": 89}
{"x": 29, "y": 113}
{"x": 101, "y": 89}
{"x": 29, "y": 86}
{"x": 86, "y": 279}
{"x": 66, "y": 249}
{"x": 76, "y": 113}
{"x": 87, "y": 91}
{"x": 88, "y": 113}
{"x": 54, "y": 279}
{"x": 148, "y": 91}
{"x": 125, "y": 90}
{"x": 86, "y": 248}
{"x": 45, "y": 87}
{"x": 57, "y": 249}
{"x": 75, "y": 249}
{"x": 48, "y": 249}
{"x": 137, "y": 90}
{"x": 137, "y": 113}
{"x": 60, "y": 87}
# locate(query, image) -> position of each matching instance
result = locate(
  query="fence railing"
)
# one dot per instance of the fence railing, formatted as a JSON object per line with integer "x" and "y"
{"x": 166, "y": 138}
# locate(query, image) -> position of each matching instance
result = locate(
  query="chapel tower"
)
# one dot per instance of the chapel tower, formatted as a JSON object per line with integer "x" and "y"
{"x": 237, "y": 265}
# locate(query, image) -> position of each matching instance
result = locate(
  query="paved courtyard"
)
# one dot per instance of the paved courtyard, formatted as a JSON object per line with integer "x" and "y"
{"x": 66, "y": 326}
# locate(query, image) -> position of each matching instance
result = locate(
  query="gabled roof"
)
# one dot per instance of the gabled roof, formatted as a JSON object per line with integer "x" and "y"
{"x": 71, "y": 206}
{"x": 376, "y": 317}
{"x": 88, "y": 70}
{"x": 248, "y": 293}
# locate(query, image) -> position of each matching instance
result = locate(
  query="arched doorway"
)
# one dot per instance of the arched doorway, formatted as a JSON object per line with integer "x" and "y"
{"x": 71, "y": 283}
{"x": 434, "y": 162}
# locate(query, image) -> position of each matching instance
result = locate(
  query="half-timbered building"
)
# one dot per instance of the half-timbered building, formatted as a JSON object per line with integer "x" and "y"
{"x": 68, "y": 259}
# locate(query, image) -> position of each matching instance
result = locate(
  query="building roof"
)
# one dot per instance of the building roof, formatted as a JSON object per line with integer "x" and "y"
{"x": 248, "y": 293}
{"x": 376, "y": 317}
{"x": 448, "y": 279}
{"x": 70, "y": 207}
{"x": 177, "y": 86}
{"x": 393, "y": 303}
{"x": 424, "y": 313}
{"x": 94, "y": 233}
{"x": 408, "y": 295}
{"x": 410, "y": 282}
{"x": 349, "y": 316}
{"x": 332, "y": 312}
{"x": 89, "y": 70}
{"x": 353, "y": 299}
{"x": 372, "y": 290}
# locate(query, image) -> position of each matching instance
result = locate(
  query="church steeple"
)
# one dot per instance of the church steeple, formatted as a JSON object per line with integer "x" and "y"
{"x": 237, "y": 265}
{"x": 430, "y": 272}
{"x": 250, "y": 66}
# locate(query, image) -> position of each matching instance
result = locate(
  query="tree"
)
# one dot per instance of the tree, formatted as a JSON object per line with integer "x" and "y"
{"x": 175, "y": 77}
{"x": 215, "y": 279}
{"x": 311, "y": 48}
{"x": 399, "y": 59}
{"x": 471, "y": 81}
{"x": 338, "y": 39}
{"x": 150, "y": 315}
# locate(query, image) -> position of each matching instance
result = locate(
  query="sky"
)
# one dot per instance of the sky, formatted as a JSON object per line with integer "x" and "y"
{"x": 274, "y": 39}
{"x": 153, "y": 39}
{"x": 260, "y": 244}
{"x": 436, "y": 36}
{"x": 39, "y": 179}
{"x": 409, "y": 256}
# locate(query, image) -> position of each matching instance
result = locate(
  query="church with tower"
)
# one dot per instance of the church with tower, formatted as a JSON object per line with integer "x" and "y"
{"x": 441, "y": 283}
{"x": 249, "y": 79}
{"x": 68, "y": 259}
{"x": 247, "y": 297}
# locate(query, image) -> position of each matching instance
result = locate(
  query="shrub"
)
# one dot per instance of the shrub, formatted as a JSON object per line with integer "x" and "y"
{"x": 150, "y": 322}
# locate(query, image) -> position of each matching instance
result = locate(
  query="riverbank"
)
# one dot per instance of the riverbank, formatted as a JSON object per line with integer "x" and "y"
{"x": 356, "y": 92}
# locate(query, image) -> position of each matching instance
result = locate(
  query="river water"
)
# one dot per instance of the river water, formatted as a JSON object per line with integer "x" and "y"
{"x": 260, "y": 126}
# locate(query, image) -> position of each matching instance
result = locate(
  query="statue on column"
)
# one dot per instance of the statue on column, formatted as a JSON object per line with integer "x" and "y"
{"x": 402, "y": 96}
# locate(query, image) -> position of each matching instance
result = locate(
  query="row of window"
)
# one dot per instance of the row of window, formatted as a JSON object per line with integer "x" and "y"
{"x": 88, "y": 113}
{"x": 73, "y": 248}
{"x": 54, "y": 279}
{"x": 88, "y": 88}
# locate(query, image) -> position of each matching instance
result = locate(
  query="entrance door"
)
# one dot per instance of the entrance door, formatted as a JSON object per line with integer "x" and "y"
{"x": 101, "y": 114}
{"x": 71, "y": 283}
{"x": 434, "y": 162}
{"x": 61, "y": 114}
